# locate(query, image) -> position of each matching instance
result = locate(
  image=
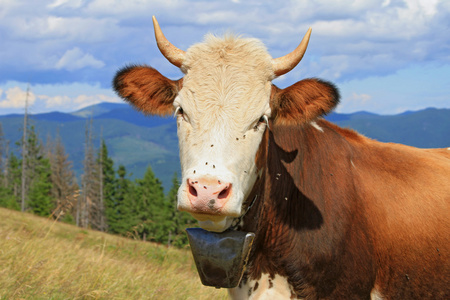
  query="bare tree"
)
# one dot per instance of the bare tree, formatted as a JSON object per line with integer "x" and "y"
{"x": 3, "y": 158}
{"x": 101, "y": 198}
{"x": 24, "y": 151}
{"x": 65, "y": 188}
{"x": 91, "y": 211}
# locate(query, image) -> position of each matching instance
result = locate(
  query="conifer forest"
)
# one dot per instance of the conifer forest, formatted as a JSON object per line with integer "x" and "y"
{"x": 40, "y": 180}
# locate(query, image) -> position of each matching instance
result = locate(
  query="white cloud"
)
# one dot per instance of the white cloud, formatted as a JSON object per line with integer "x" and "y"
{"x": 44, "y": 98}
{"x": 48, "y": 27}
{"x": 86, "y": 100}
{"x": 360, "y": 98}
{"x": 409, "y": 89}
{"x": 66, "y": 3}
{"x": 393, "y": 27}
{"x": 351, "y": 39}
{"x": 66, "y": 103}
{"x": 75, "y": 59}
{"x": 16, "y": 98}
{"x": 352, "y": 101}
{"x": 55, "y": 101}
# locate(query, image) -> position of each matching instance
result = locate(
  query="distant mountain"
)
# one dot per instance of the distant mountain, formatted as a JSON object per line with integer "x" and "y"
{"x": 130, "y": 115}
{"x": 428, "y": 128}
{"x": 57, "y": 117}
{"x": 136, "y": 140}
{"x": 337, "y": 117}
{"x": 97, "y": 109}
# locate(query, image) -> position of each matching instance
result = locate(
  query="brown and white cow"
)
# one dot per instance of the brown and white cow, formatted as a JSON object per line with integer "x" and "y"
{"x": 336, "y": 216}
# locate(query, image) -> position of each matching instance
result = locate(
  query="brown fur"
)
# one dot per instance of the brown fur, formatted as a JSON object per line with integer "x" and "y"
{"x": 339, "y": 214}
{"x": 303, "y": 101}
{"x": 146, "y": 89}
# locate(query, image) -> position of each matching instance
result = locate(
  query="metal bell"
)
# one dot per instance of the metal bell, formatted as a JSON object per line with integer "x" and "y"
{"x": 220, "y": 258}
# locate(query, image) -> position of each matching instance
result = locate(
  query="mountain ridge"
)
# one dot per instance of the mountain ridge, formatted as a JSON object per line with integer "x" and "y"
{"x": 136, "y": 140}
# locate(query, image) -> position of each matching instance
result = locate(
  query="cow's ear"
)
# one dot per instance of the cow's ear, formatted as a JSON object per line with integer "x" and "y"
{"x": 146, "y": 89}
{"x": 303, "y": 101}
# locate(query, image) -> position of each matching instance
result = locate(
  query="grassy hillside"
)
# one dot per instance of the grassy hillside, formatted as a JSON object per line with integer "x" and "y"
{"x": 42, "y": 259}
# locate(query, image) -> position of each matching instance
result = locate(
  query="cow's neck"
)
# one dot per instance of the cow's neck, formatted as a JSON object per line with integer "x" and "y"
{"x": 289, "y": 218}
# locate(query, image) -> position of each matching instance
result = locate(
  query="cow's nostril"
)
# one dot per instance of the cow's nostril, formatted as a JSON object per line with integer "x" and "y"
{"x": 192, "y": 191}
{"x": 224, "y": 193}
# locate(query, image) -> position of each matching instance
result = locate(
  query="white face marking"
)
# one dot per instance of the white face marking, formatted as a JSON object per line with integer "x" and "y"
{"x": 264, "y": 288}
{"x": 222, "y": 113}
{"x": 316, "y": 126}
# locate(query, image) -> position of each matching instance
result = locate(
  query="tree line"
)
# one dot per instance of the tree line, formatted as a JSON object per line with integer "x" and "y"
{"x": 40, "y": 180}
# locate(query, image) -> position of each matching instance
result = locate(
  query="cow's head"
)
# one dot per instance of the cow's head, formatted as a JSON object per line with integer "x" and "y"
{"x": 223, "y": 105}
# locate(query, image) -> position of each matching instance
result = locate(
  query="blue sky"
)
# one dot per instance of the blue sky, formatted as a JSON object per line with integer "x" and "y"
{"x": 386, "y": 56}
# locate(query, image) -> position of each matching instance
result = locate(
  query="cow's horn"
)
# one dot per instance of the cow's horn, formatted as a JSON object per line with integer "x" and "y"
{"x": 284, "y": 64}
{"x": 172, "y": 53}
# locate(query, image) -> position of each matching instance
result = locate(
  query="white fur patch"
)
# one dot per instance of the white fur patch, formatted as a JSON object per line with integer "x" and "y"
{"x": 316, "y": 126}
{"x": 265, "y": 288}
{"x": 376, "y": 295}
{"x": 224, "y": 96}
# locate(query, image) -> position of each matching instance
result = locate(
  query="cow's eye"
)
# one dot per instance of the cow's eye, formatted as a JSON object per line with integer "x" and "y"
{"x": 264, "y": 119}
{"x": 178, "y": 111}
{"x": 181, "y": 115}
{"x": 261, "y": 120}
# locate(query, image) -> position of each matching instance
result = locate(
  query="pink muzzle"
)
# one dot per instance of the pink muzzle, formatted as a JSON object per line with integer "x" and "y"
{"x": 208, "y": 195}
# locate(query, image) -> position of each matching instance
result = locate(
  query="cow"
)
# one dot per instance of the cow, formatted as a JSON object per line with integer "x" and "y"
{"x": 336, "y": 215}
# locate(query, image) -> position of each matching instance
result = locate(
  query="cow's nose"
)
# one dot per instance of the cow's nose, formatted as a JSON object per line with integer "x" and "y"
{"x": 208, "y": 195}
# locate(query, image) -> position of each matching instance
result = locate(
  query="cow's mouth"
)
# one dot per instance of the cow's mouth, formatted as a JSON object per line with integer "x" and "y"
{"x": 216, "y": 226}
{"x": 221, "y": 223}
{"x": 214, "y": 223}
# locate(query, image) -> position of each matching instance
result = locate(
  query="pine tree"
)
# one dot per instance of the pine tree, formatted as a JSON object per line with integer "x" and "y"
{"x": 3, "y": 164}
{"x": 108, "y": 180}
{"x": 40, "y": 199}
{"x": 2, "y": 157}
{"x": 6, "y": 199}
{"x": 37, "y": 176}
{"x": 121, "y": 219}
{"x": 179, "y": 220}
{"x": 10, "y": 195}
{"x": 14, "y": 175}
{"x": 172, "y": 211}
{"x": 149, "y": 208}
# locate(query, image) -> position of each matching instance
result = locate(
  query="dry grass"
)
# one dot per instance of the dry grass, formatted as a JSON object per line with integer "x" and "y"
{"x": 41, "y": 259}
